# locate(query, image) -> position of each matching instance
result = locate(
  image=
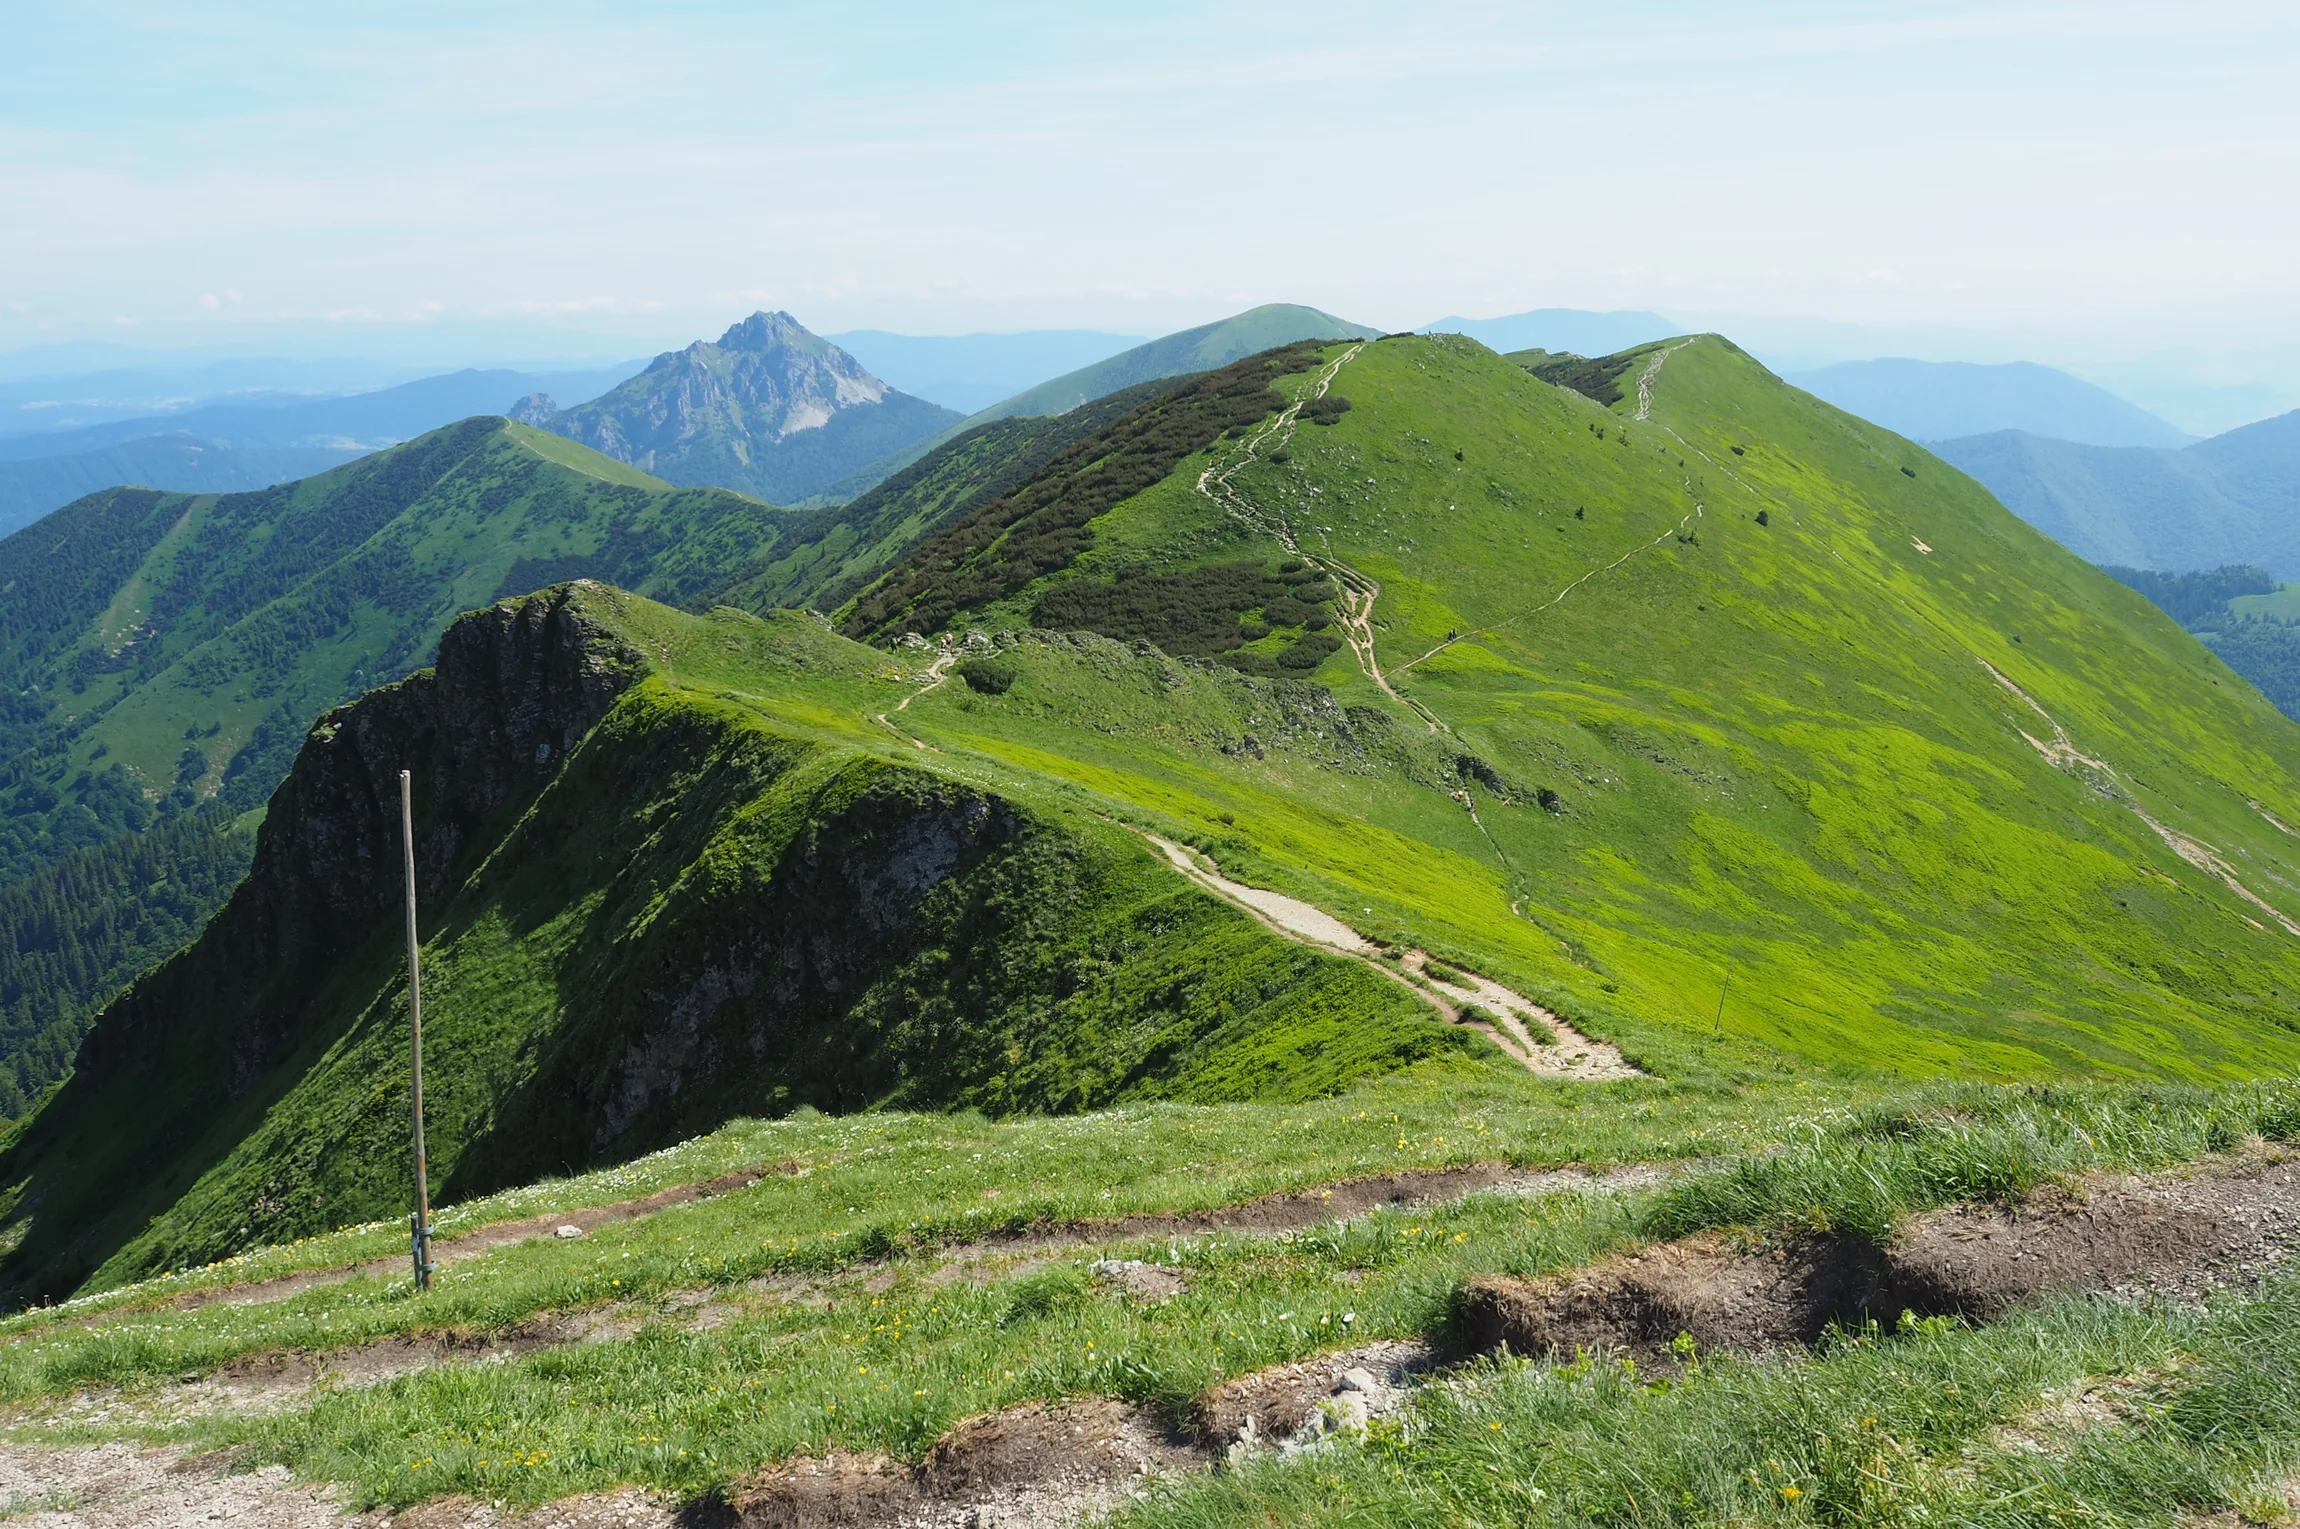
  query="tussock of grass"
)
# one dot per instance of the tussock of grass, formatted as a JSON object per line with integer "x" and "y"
{"x": 1970, "y": 1143}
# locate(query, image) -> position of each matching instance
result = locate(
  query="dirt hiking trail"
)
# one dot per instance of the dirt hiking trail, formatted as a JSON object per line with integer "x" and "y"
{"x": 1518, "y": 1024}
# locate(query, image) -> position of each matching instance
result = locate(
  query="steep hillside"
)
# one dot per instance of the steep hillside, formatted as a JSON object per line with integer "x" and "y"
{"x": 167, "y": 651}
{"x": 73, "y": 934}
{"x": 1731, "y": 729}
{"x": 673, "y": 871}
{"x": 770, "y": 410}
{"x": 824, "y": 557}
{"x": 1942, "y": 400}
{"x": 2232, "y": 499}
{"x": 1770, "y": 725}
{"x": 2240, "y": 613}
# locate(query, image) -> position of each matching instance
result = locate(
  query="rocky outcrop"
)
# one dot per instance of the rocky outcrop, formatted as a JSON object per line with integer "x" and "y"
{"x": 517, "y": 685}
{"x": 534, "y": 409}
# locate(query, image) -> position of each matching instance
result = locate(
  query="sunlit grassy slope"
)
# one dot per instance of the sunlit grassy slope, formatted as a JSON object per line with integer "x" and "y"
{"x": 741, "y": 894}
{"x": 1794, "y": 802}
{"x": 1745, "y": 796}
{"x": 171, "y": 647}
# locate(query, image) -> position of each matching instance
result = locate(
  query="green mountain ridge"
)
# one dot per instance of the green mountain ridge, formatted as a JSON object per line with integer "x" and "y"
{"x": 672, "y": 870}
{"x": 165, "y": 652}
{"x": 1738, "y": 732}
{"x": 1175, "y": 355}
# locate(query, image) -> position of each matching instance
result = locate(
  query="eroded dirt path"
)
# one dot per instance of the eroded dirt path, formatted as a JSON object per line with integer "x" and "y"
{"x": 1565, "y": 1053}
{"x": 1355, "y": 592}
{"x": 2061, "y": 752}
{"x": 936, "y": 672}
{"x": 2178, "y": 1235}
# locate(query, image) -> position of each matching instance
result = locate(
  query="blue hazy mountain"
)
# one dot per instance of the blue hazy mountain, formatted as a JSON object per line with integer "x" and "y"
{"x": 1942, "y": 400}
{"x": 2234, "y": 499}
{"x": 225, "y": 448}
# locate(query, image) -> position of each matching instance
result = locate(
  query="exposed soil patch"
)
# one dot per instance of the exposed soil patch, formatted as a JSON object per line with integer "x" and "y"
{"x": 1296, "y": 1209}
{"x": 279, "y": 1380}
{"x": 1034, "y": 1465}
{"x": 2175, "y": 1235}
{"x": 1720, "y": 1292}
{"x": 1324, "y": 1394}
{"x": 126, "y": 1486}
{"x": 2172, "y": 1235}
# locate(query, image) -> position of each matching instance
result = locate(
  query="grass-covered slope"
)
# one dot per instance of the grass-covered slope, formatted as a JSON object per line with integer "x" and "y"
{"x": 1175, "y": 355}
{"x": 1768, "y": 727}
{"x": 163, "y": 653}
{"x": 673, "y": 871}
{"x": 161, "y": 649}
{"x": 826, "y": 556}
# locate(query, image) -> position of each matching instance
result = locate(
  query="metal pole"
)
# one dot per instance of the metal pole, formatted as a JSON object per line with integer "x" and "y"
{"x": 420, "y": 1227}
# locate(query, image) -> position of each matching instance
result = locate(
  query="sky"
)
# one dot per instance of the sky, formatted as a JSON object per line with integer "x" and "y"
{"x": 2099, "y": 180}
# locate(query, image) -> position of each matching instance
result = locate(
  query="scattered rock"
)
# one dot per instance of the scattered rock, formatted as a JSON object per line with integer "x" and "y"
{"x": 1299, "y": 1405}
{"x": 1144, "y": 1281}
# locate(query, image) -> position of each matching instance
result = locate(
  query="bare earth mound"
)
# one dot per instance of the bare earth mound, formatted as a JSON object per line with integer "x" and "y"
{"x": 2173, "y": 1235}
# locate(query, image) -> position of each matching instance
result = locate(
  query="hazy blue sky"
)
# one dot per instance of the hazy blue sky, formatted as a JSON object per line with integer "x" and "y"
{"x": 220, "y": 171}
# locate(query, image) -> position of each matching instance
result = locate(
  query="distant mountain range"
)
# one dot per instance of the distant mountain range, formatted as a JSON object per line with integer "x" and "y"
{"x": 224, "y": 448}
{"x": 2233, "y": 499}
{"x": 1942, "y": 400}
{"x": 769, "y": 409}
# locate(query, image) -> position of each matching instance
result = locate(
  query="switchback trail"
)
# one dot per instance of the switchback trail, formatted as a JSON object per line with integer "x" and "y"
{"x": 936, "y": 673}
{"x": 1357, "y": 591}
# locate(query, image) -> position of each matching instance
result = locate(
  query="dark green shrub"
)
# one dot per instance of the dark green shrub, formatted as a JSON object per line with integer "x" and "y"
{"x": 988, "y": 676}
{"x": 1310, "y": 651}
{"x": 1324, "y": 411}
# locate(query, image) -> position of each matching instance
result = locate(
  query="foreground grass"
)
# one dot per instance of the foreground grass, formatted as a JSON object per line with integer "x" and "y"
{"x": 859, "y": 1339}
{"x": 2191, "y": 1412}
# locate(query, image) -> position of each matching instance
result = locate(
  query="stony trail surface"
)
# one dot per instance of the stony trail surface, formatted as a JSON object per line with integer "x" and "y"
{"x": 1569, "y": 1053}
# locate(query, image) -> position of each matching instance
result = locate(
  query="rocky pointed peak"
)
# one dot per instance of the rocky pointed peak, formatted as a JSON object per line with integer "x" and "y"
{"x": 767, "y": 331}
{"x": 719, "y": 412}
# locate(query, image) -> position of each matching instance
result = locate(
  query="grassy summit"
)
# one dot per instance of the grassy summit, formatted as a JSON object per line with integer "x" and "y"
{"x": 1733, "y": 680}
